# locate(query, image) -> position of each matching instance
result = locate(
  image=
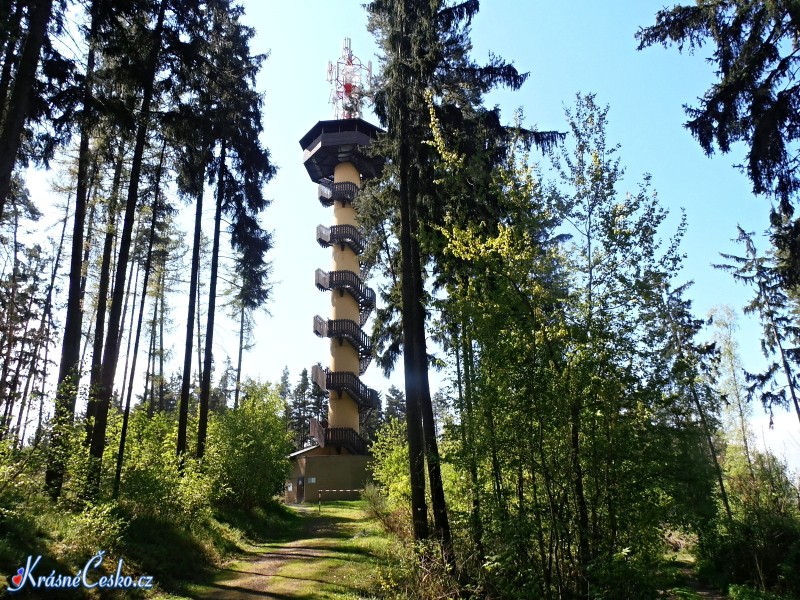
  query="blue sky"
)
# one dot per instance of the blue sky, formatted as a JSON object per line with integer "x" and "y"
{"x": 580, "y": 46}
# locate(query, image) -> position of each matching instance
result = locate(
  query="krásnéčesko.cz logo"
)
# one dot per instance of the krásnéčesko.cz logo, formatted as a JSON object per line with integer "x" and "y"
{"x": 87, "y": 577}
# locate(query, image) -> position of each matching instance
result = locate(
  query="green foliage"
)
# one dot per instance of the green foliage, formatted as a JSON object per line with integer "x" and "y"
{"x": 173, "y": 519}
{"x": 390, "y": 463}
{"x": 156, "y": 482}
{"x": 574, "y": 423}
{"x": 394, "y": 404}
{"x": 417, "y": 572}
{"x": 761, "y": 545}
{"x": 247, "y": 450}
{"x": 394, "y": 519}
{"x": 623, "y": 577}
{"x": 96, "y": 527}
{"x": 741, "y": 592}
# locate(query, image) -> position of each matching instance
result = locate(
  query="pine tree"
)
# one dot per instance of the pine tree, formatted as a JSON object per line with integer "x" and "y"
{"x": 395, "y": 404}
{"x": 425, "y": 55}
{"x": 19, "y": 104}
{"x": 780, "y": 334}
{"x": 284, "y": 387}
{"x": 301, "y": 410}
{"x": 239, "y": 186}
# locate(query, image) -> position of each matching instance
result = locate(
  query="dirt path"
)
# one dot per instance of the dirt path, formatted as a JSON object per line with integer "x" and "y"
{"x": 691, "y": 585}
{"x": 335, "y": 557}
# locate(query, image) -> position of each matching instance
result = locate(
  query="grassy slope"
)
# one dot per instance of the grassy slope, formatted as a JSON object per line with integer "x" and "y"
{"x": 176, "y": 557}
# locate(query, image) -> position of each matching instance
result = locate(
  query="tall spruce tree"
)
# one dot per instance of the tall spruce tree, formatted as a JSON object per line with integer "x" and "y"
{"x": 111, "y": 344}
{"x": 780, "y": 333}
{"x": 425, "y": 64}
{"x": 239, "y": 192}
{"x": 19, "y": 104}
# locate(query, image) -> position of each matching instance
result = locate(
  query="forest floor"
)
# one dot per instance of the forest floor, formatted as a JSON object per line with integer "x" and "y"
{"x": 689, "y": 587}
{"x": 333, "y": 554}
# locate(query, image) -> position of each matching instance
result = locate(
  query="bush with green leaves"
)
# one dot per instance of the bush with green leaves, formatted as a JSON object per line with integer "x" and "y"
{"x": 156, "y": 482}
{"x": 248, "y": 448}
{"x": 759, "y": 546}
{"x": 390, "y": 463}
{"x": 96, "y": 527}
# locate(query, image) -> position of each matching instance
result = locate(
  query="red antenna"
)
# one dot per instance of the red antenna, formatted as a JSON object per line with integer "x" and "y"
{"x": 350, "y": 79}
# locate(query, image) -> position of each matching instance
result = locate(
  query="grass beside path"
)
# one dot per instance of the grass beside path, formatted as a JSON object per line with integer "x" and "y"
{"x": 330, "y": 555}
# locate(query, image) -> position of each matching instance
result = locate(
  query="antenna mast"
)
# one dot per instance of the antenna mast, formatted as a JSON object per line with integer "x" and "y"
{"x": 350, "y": 79}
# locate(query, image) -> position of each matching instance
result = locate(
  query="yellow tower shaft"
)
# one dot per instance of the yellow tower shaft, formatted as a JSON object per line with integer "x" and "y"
{"x": 343, "y": 410}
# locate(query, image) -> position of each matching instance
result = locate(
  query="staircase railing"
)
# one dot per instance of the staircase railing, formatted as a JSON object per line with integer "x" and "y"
{"x": 352, "y": 284}
{"x": 348, "y": 235}
{"x": 345, "y": 381}
{"x": 338, "y": 437}
{"x": 330, "y": 192}
{"x": 350, "y": 331}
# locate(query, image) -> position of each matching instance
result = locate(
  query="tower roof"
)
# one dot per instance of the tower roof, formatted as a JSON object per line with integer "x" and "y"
{"x": 329, "y": 143}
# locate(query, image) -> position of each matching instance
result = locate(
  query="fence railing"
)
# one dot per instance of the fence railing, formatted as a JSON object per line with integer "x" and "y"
{"x": 346, "y": 329}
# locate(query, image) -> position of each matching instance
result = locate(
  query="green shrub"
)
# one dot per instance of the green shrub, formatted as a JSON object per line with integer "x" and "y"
{"x": 96, "y": 527}
{"x": 622, "y": 578}
{"x": 417, "y": 572}
{"x": 247, "y": 449}
{"x": 759, "y": 548}
{"x": 741, "y": 592}
{"x": 390, "y": 463}
{"x": 156, "y": 482}
{"x": 394, "y": 520}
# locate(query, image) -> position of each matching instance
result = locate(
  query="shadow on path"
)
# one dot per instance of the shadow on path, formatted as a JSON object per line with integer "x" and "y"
{"x": 321, "y": 560}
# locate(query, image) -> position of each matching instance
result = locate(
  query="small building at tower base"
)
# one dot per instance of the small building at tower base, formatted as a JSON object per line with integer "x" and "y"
{"x": 337, "y": 476}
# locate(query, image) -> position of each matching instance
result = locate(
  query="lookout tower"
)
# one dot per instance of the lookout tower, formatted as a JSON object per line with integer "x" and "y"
{"x": 336, "y": 158}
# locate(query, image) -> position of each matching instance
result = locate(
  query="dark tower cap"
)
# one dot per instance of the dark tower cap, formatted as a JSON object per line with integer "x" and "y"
{"x": 329, "y": 143}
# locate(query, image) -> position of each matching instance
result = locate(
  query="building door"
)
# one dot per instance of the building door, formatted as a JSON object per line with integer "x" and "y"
{"x": 300, "y": 489}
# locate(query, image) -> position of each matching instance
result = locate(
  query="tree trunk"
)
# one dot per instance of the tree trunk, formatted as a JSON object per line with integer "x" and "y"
{"x": 127, "y": 410}
{"x": 199, "y": 346}
{"x": 440, "y": 521}
{"x": 102, "y": 297}
{"x": 161, "y": 339}
{"x": 713, "y": 450}
{"x": 69, "y": 374}
{"x": 126, "y": 371}
{"x": 12, "y": 390}
{"x": 416, "y": 448}
{"x": 8, "y": 41}
{"x": 464, "y": 383}
{"x": 183, "y": 408}
{"x": 111, "y": 347}
{"x": 151, "y": 361}
{"x": 678, "y": 340}
{"x": 19, "y": 103}
{"x": 12, "y": 315}
{"x": 239, "y": 358}
{"x": 205, "y": 388}
{"x": 44, "y": 326}
{"x": 577, "y": 478}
